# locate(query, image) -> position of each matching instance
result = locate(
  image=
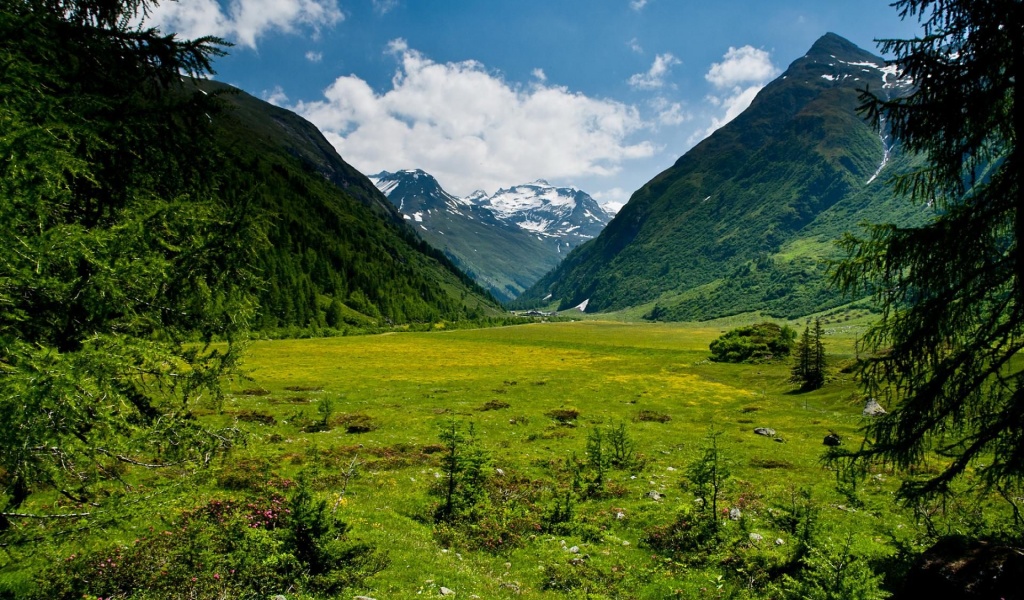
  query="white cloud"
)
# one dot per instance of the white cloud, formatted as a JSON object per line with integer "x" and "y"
{"x": 637, "y": 4}
{"x": 655, "y": 76}
{"x": 741, "y": 66}
{"x": 741, "y": 74}
{"x": 471, "y": 129}
{"x": 635, "y": 46}
{"x": 276, "y": 96}
{"x": 314, "y": 57}
{"x": 669, "y": 113}
{"x": 243, "y": 21}
{"x": 540, "y": 75}
{"x": 384, "y": 6}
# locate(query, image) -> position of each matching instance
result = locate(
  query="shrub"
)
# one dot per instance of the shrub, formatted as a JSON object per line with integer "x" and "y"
{"x": 564, "y": 415}
{"x": 753, "y": 343}
{"x": 494, "y": 405}
{"x": 251, "y": 548}
{"x": 651, "y": 416}
{"x": 357, "y": 423}
{"x": 255, "y": 416}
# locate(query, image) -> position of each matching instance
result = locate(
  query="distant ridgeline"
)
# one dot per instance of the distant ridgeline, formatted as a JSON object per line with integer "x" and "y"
{"x": 746, "y": 219}
{"x": 341, "y": 256}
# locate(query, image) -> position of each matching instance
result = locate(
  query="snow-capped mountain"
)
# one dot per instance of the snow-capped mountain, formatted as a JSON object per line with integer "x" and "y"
{"x": 564, "y": 214}
{"x": 505, "y": 241}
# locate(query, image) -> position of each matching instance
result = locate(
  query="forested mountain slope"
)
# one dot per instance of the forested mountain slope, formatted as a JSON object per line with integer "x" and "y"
{"x": 340, "y": 254}
{"x": 745, "y": 220}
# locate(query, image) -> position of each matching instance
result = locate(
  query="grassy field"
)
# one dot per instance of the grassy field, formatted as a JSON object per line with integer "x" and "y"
{"x": 360, "y": 421}
{"x": 506, "y": 382}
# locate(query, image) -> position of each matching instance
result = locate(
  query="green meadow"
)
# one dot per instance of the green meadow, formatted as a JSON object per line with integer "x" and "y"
{"x": 359, "y": 422}
{"x": 655, "y": 379}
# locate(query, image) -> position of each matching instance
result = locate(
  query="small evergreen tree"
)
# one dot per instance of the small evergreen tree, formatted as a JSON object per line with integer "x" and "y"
{"x": 810, "y": 365}
{"x": 709, "y": 474}
{"x": 463, "y": 476}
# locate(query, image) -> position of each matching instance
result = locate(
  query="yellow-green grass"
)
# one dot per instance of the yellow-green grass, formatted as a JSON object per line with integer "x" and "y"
{"x": 411, "y": 383}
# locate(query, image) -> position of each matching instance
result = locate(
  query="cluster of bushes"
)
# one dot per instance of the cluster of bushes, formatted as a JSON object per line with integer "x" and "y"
{"x": 760, "y": 342}
{"x": 266, "y": 544}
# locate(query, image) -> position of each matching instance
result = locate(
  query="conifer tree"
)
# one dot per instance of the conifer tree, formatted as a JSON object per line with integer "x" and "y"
{"x": 809, "y": 369}
{"x": 951, "y": 291}
{"x": 116, "y": 248}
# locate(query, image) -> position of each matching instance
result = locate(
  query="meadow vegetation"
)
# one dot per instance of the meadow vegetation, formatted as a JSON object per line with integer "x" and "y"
{"x": 589, "y": 459}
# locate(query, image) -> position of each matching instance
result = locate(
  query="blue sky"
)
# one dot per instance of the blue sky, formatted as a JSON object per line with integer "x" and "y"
{"x": 599, "y": 94}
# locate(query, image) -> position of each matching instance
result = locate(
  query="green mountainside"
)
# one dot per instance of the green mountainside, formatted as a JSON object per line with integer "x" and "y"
{"x": 340, "y": 254}
{"x": 746, "y": 219}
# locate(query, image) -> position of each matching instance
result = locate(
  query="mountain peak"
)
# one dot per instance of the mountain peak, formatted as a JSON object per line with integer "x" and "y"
{"x": 832, "y": 45}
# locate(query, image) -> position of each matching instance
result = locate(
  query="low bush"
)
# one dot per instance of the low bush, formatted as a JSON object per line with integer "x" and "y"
{"x": 253, "y": 548}
{"x": 754, "y": 343}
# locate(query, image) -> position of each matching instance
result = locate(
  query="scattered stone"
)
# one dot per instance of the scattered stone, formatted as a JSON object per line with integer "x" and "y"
{"x": 281, "y": 597}
{"x": 355, "y": 598}
{"x": 620, "y": 515}
{"x": 779, "y": 541}
{"x": 735, "y": 514}
{"x": 446, "y": 592}
{"x": 508, "y": 566}
{"x": 832, "y": 439}
{"x": 575, "y": 550}
{"x": 500, "y": 472}
{"x": 765, "y": 431}
{"x": 654, "y": 495}
{"x": 873, "y": 409}
{"x": 756, "y": 537}
{"x": 671, "y": 469}
{"x": 780, "y": 440}
{"x": 579, "y": 560}
{"x": 513, "y": 587}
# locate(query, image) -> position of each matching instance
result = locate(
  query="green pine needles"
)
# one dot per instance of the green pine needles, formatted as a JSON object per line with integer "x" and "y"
{"x": 945, "y": 352}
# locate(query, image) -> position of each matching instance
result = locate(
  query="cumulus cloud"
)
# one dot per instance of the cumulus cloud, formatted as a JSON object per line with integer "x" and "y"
{"x": 637, "y": 4}
{"x": 276, "y": 96}
{"x": 741, "y": 66}
{"x": 472, "y": 129}
{"x": 634, "y": 45}
{"x": 741, "y": 74}
{"x": 244, "y": 21}
{"x": 668, "y": 112}
{"x": 655, "y": 76}
{"x": 540, "y": 75}
{"x": 314, "y": 57}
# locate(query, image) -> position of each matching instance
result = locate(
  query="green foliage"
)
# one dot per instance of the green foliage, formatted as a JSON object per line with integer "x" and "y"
{"x": 945, "y": 353}
{"x": 809, "y": 367}
{"x": 832, "y": 571}
{"x": 691, "y": 534}
{"x": 461, "y": 486}
{"x": 764, "y": 341}
{"x": 253, "y": 548}
{"x": 121, "y": 257}
{"x": 709, "y": 475}
{"x": 621, "y": 448}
